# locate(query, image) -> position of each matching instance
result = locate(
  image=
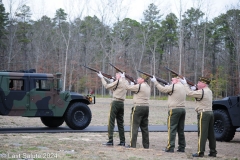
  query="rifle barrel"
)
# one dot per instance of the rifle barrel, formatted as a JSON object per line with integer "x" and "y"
{"x": 188, "y": 81}
{"x": 104, "y": 74}
{"x": 127, "y": 76}
{"x": 145, "y": 73}
{"x": 116, "y": 68}
{"x": 91, "y": 69}
{"x": 158, "y": 79}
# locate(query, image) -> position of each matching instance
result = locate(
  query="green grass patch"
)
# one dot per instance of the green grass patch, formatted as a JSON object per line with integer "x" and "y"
{"x": 102, "y": 96}
{"x": 33, "y": 148}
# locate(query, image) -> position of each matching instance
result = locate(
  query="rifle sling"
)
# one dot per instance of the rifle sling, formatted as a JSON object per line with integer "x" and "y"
{"x": 170, "y": 93}
{"x": 199, "y": 99}
{"x": 138, "y": 89}
{"x": 116, "y": 86}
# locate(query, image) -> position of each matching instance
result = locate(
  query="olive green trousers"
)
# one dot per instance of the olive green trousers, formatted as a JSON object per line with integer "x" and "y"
{"x": 139, "y": 118}
{"x": 116, "y": 113}
{"x": 176, "y": 122}
{"x": 206, "y": 131}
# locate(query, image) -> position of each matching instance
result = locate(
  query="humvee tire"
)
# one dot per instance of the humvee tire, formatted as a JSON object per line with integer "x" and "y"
{"x": 224, "y": 131}
{"x": 52, "y": 122}
{"x": 78, "y": 116}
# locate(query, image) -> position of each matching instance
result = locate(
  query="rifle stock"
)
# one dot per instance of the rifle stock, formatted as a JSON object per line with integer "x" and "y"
{"x": 158, "y": 79}
{"x": 104, "y": 74}
{"x": 127, "y": 76}
{"x": 188, "y": 81}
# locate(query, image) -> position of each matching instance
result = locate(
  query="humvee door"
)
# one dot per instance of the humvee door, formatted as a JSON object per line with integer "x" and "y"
{"x": 41, "y": 96}
{"x": 15, "y": 97}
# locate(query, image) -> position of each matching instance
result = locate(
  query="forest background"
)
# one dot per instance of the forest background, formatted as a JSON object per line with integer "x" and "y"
{"x": 191, "y": 43}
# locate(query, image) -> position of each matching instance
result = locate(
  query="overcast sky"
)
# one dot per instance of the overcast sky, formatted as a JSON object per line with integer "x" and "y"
{"x": 111, "y": 10}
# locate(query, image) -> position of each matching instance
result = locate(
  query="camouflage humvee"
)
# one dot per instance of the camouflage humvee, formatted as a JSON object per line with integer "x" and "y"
{"x": 30, "y": 94}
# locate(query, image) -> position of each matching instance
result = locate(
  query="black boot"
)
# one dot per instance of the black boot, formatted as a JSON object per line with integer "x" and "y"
{"x": 197, "y": 155}
{"x": 212, "y": 155}
{"x": 109, "y": 143}
{"x": 168, "y": 150}
{"x": 121, "y": 144}
{"x": 180, "y": 150}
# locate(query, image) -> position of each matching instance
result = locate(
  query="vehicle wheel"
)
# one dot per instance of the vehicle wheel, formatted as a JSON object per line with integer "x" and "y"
{"x": 52, "y": 121}
{"x": 224, "y": 131}
{"x": 78, "y": 116}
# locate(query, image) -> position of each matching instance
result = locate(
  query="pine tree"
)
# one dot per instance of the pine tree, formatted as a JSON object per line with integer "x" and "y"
{"x": 3, "y": 24}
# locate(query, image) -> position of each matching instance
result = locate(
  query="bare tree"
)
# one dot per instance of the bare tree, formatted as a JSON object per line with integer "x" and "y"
{"x": 180, "y": 39}
{"x": 13, "y": 8}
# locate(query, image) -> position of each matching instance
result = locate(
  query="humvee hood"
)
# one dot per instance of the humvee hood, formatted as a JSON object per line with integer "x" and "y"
{"x": 75, "y": 95}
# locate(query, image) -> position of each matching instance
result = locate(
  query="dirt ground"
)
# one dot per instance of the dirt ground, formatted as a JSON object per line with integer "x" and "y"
{"x": 40, "y": 146}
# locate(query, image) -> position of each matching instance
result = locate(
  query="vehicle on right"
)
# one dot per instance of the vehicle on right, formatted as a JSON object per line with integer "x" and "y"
{"x": 226, "y": 117}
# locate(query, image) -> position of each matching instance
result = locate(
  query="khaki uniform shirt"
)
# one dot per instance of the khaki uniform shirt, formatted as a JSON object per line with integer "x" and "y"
{"x": 177, "y": 98}
{"x": 120, "y": 92}
{"x": 143, "y": 96}
{"x": 206, "y": 103}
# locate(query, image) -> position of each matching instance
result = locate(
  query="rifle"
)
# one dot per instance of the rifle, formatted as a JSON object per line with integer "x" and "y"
{"x": 127, "y": 76}
{"x": 188, "y": 81}
{"x": 104, "y": 74}
{"x": 158, "y": 79}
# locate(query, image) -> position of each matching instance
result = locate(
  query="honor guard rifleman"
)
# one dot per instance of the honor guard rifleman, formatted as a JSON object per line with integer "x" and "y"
{"x": 140, "y": 111}
{"x": 118, "y": 87}
{"x": 205, "y": 117}
{"x": 176, "y": 112}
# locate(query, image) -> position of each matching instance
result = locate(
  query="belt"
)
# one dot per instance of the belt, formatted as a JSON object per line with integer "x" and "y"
{"x": 118, "y": 99}
{"x": 179, "y": 107}
{"x": 141, "y": 105}
{"x": 203, "y": 110}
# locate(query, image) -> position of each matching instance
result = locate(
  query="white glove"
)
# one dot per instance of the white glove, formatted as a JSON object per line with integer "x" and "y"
{"x": 100, "y": 74}
{"x": 193, "y": 88}
{"x": 166, "y": 85}
{"x": 111, "y": 80}
{"x": 123, "y": 74}
{"x": 131, "y": 83}
{"x": 153, "y": 79}
{"x": 183, "y": 80}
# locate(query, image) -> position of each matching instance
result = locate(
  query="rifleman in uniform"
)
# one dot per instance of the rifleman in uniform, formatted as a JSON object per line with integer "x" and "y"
{"x": 205, "y": 117}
